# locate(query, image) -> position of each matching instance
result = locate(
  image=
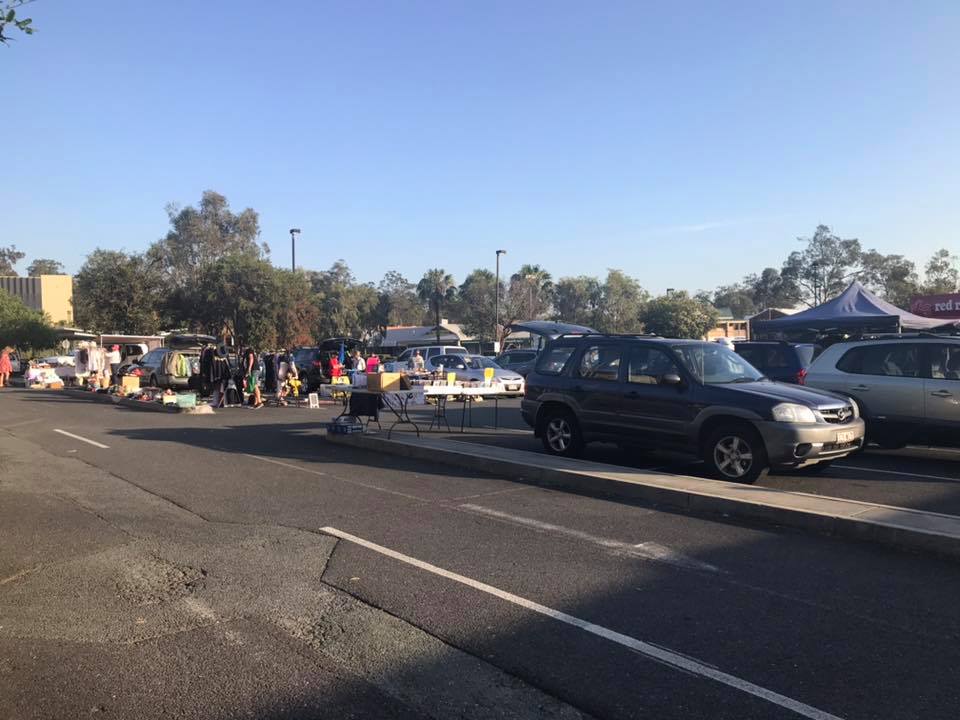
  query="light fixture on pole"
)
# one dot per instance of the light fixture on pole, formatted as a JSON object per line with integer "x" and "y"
{"x": 293, "y": 248}
{"x": 496, "y": 328}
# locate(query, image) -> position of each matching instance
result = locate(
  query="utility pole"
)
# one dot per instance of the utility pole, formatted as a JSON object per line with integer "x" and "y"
{"x": 293, "y": 248}
{"x": 496, "y": 328}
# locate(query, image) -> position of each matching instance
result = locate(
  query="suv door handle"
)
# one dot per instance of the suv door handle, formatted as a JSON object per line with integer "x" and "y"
{"x": 942, "y": 394}
{"x": 860, "y": 388}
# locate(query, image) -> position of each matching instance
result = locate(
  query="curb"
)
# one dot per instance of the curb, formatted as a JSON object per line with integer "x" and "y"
{"x": 134, "y": 404}
{"x": 895, "y": 527}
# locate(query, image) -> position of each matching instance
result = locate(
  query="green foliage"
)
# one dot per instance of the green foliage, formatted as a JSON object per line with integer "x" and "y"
{"x": 397, "y": 303}
{"x": 893, "y": 277}
{"x": 10, "y": 19}
{"x": 117, "y": 292}
{"x": 435, "y": 288}
{"x": 22, "y": 327}
{"x": 678, "y": 316}
{"x": 9, "y": 257}
{"x": 44, "y": 266}
{"x": 577, "y": 300}
{"x": 478, "y": 302}
{"x": 942, "y": 275}
{"x": 347, "y": 308}
{"x": 825, "y": 267}
{"x": 621, "y": 303}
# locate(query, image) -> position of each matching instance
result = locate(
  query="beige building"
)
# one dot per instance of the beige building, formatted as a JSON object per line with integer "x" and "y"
{"x": 53, "y": 294}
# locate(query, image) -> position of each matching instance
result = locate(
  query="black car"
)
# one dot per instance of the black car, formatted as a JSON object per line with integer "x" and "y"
{"x": 685, "y": 395}
{"x": 520, "y": 361}
{"x": 780, "y": 361}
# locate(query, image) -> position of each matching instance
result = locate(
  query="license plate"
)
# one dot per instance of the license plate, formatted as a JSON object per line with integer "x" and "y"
{"x": 845, "y": 437}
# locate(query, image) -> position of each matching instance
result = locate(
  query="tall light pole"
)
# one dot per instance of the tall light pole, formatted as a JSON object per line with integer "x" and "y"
{"x": 293, "y": 248}
{"x": 496, "y": 328}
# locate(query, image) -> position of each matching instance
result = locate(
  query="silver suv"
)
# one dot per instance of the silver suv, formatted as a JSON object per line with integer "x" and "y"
{"x": 908, "y": 387}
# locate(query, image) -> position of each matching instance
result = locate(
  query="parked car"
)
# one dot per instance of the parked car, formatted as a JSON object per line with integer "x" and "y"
{"x": 429, "y": 353}
{"x": 685, "y": 395}
{"x": 150, "y": 368}
{"x": 17, "y": 366}
{"x": 907, "y": 387}
{"x": 310, "y": 366}
{"x": 470, "y": 368}
{"x": 780, "y": 361}
{"x": 520, "y": 361}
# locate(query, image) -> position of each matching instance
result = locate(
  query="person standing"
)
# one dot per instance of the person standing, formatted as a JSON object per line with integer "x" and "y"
{"x": 251, "y": 368}
{"x": 416, "y": 362}
{"x": 359, "y": 365}
{"x": 6, "y": 367}
{"x": 113, "y": 361}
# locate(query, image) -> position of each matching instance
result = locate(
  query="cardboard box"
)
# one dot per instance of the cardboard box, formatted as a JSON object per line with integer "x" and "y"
{"x": 130, "y": 383}
{"x": 382, "y": 382}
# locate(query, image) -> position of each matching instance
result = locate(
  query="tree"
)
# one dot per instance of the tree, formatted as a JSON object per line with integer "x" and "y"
{"x": 577, "y": 300}
{"x": 678, "y": 316}
{"x": 770, "y": 289}
{"x": 347, "y": 308}
{"x": 22, "y": 327}
{"x": 478, "y": 300}
{"x": 293, "y": 308}
{"x": 202, "y": 235}
{"x": 435, "y": 288}
{"x": 893, "y": 277}
{"x": 9, "y": 257}
{"x": 738, "y": 298}
{"x": 621, "y": 301}
{"x": 10, "y": 19}
{"x": 117, "y": 292}
{"x": 941, "y": 276}
{"x": 825, "y": 267}
{"x": 398, "y": 301}
{"x": 44, "y": 266}
{"x": 530, "y": 295}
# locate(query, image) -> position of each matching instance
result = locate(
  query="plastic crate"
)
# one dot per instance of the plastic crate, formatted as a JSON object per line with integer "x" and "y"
{"x": 187, "y": 400}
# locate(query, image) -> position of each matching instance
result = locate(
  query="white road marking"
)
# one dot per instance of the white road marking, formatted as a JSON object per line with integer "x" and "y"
{"x": 898, "y": 472}
{"x": 336, "y": 477}
{"x": 82, "y": 439}
{"x": 654, "y": 652}
{"x": 645, "y": 550}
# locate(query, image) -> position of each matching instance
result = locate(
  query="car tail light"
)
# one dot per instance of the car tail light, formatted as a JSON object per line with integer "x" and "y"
{"x": 802, "y": 377}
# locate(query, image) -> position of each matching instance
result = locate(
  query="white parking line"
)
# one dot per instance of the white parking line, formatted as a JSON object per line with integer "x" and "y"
{"x": 653, "y": 652}
{"x": 898, "y": 472}
{"x": 82, "y": 439}
{"x": 646, "y": 550}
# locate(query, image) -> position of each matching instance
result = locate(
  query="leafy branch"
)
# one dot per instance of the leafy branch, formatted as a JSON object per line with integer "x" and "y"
{"x": 9, "y": 19}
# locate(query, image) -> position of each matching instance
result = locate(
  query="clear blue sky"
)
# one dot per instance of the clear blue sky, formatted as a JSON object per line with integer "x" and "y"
{"x": 684, "y": 143}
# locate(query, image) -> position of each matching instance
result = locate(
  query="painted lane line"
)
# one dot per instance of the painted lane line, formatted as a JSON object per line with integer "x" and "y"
{"x": 898, "y": 472}
{"x": 336, "y": 477}
{"x": 82, "y": 439}
{"x": 646, "y": 550}
{"x": 654, "y": 652}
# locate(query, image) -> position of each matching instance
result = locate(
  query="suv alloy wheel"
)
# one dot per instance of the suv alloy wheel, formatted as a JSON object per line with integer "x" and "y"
{"x": 735, "y": 454}
{"x": 561, "y": 434}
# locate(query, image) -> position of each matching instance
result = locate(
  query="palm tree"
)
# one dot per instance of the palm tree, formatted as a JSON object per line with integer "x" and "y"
{"x": 536, "y": 286}
{"x": 434, "y": 288}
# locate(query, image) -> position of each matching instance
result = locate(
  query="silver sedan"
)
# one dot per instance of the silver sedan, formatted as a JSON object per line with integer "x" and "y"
{"x": 470, "y": 368}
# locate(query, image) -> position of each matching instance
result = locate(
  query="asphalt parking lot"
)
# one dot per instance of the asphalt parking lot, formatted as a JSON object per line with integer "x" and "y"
{"x": 914, "y": 477}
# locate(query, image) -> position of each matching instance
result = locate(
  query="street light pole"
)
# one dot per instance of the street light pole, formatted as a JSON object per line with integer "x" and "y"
{"x": 496, "y": 328}
{"x": 293, "y": 248}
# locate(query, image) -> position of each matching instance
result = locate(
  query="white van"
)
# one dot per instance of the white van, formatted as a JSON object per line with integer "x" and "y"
{"x": 428, "y": 352}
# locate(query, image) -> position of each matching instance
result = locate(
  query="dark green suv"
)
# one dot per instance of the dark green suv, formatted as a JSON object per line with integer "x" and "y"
{"x": 684, "y": 395}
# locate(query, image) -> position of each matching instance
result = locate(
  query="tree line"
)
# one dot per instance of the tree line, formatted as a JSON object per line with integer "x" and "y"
{"x": 211, "y": 273}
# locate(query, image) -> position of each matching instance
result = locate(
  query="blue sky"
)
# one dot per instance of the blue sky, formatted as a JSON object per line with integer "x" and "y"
{"x": 684, "y": 143}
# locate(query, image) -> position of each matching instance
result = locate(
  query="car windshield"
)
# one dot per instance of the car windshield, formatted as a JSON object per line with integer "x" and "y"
{"x": 714, "y": 364}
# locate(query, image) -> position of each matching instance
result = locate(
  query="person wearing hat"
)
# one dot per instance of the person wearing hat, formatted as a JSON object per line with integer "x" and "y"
{"x": 113, "y": 360}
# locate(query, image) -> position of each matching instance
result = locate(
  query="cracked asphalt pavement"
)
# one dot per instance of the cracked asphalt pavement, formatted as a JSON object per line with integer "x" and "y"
{"x": 158, "y": 566}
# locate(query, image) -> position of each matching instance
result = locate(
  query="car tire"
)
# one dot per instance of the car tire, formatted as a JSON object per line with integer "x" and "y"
{"x": 561, "y": 434}
{"x": 735, "y": 453}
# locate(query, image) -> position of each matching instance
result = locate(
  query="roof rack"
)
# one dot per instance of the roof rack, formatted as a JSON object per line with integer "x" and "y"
{"x": 608, "y": 335}
{"x": 920, "y": 335}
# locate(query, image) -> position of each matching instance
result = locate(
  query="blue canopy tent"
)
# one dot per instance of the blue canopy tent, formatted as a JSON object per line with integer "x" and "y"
{"x": 855, "y": 310}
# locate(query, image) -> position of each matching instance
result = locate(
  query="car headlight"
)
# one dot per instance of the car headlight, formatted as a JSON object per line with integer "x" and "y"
{"x": 856, "y": 408}
{"x": 793, "y": 413}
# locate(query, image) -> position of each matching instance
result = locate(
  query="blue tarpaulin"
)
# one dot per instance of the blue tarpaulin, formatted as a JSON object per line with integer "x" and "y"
{"x": 856, "y": 307}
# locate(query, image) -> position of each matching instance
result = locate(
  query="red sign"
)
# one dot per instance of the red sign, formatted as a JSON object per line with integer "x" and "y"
{"x": 937, "y": 306}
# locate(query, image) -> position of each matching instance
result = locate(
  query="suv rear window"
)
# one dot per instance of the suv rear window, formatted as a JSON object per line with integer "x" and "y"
{"x": 553, "y": 360}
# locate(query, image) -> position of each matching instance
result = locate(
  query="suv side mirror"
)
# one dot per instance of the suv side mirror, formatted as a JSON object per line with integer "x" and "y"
{"x": 671, "y": 379}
